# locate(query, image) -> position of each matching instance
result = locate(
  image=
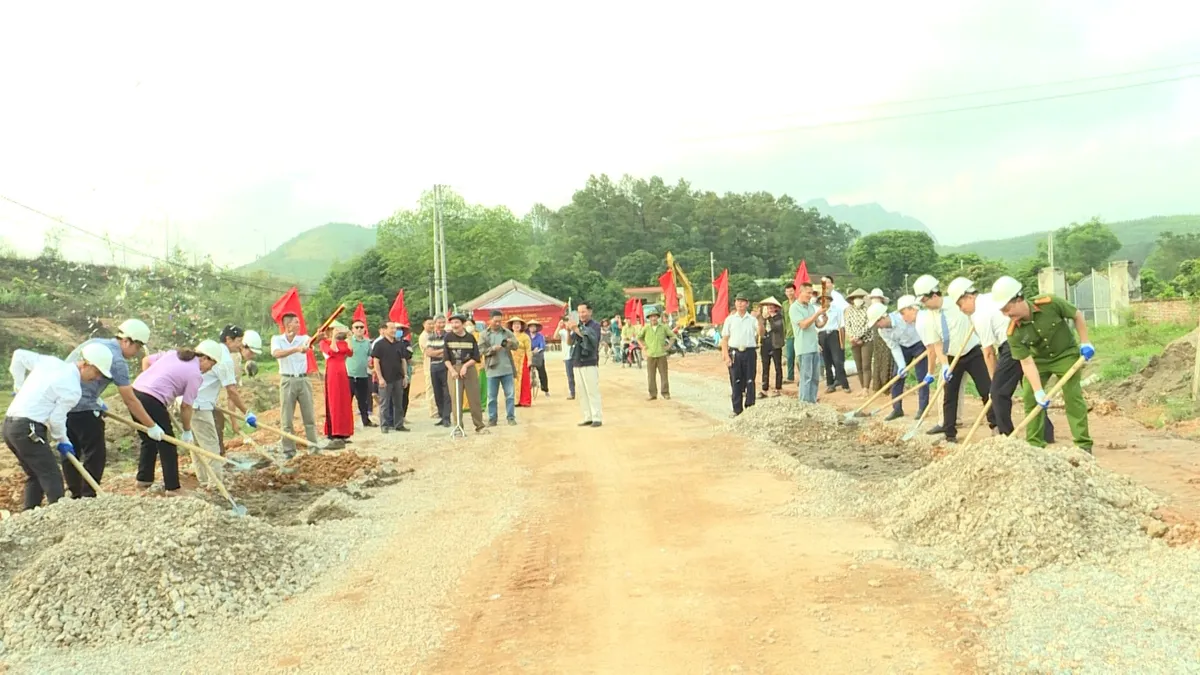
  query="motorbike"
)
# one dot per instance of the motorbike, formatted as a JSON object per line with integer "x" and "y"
{"x": 633, "y": 355}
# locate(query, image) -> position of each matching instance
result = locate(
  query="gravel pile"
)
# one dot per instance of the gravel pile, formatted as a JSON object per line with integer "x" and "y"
{"x": 1001, "y": 503}
{"x": 1134, "y": 615}
{"x": 126, "y": 568}
{"x": 787, "y": 420}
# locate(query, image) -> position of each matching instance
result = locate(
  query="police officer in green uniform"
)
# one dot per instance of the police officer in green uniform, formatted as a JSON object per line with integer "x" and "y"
{"x": 1040, "y": 337}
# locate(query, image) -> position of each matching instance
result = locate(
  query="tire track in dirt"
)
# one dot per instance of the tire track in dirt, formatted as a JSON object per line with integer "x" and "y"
{"x": 651, "y": 547}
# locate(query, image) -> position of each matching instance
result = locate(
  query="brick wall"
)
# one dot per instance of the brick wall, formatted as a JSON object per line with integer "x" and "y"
{"x": 1166, "y": 311}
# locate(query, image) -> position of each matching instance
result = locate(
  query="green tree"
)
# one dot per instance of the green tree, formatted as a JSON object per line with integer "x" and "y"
{"x": 1187, "y": 282}
{"x": 1082, "y": 247}
{"x": 884, "y": 258}
{"x": 1154, "y": 287}
{"x": 640, "y": 268}
{"x": 1170, "y": 250}
{"x": 743, "y": 284}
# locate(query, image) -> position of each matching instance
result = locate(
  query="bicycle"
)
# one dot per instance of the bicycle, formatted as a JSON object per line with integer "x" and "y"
{"x": 535, "y": 384}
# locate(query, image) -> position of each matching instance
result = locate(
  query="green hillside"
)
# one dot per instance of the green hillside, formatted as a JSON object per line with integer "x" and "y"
{"x": 1137, "y": 237}
{"x": 868, "y": 218}
{"x": 306, "y": 258}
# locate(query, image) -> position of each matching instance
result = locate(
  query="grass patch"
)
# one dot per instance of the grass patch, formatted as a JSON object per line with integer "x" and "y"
{"x": 1122, "y": 351}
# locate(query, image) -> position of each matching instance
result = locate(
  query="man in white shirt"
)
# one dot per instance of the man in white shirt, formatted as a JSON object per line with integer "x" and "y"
{"x": 291, "y": 351}
{"x": 898, "y": 330}
{"x": 564, "y": 339}
{"x": 739, "y": 342}
{"x": 949, "y": 333}
{"x": 37, "y": 415}
{"x": 992, "y": 327}
{"x": 833, "y": 338}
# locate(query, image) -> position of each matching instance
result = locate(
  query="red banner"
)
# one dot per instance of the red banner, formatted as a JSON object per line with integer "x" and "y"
{"x": 360, "y": 314}
{"x": 670, "y": 294}
{"x": 547, "y": 315}
{"x": 635, "y": 310}
{"x": 720, "y": 308}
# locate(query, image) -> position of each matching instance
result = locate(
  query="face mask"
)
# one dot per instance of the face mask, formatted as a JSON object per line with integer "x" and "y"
{"x": 858, "y": 302}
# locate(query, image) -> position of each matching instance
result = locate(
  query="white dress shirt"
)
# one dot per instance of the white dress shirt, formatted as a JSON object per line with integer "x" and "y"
{"x": 835, "y": 316}
{"x": 990, "y": 323}
{"x": 217, "y": 378}
{"x": 959, "y": 325}
{"x": 292, "y": 364}
{"x": 901, "y": 334}
{"x": 47, "y": 394}
{"x": 741, "y": 330}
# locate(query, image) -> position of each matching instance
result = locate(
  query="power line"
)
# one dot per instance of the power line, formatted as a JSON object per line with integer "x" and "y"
{"x": 1000, "y": 90}
{"x": 166, "y": 261}
{"x": 944, "y": 111}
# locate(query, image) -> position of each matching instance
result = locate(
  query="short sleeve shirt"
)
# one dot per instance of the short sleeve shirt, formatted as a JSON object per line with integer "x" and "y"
{"x": 805, "y": 338}
{"x": 217, "y": 378}
{"x": 1046, "y": 335}
{"x": 89, "y": 399}
{"x": 990, "y": 323}
{"x": 742, "y": 331}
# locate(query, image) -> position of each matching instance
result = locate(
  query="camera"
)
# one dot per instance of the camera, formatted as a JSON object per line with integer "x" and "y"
{"x": 504, "y": 342}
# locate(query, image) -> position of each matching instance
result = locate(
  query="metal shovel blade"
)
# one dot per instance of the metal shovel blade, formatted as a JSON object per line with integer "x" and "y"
{"x": 911, "y": 432}
{"x": 239, "y": 510}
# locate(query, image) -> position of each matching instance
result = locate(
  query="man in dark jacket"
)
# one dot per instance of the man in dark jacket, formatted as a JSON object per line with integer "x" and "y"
{"x": 585, "y": 358}
{"x": 774, "y": 337}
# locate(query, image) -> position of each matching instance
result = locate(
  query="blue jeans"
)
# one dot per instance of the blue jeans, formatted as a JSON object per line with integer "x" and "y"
{"x": 921, "y": 368}
{"x": 494, "y": 382}
{"x": 810, "y": 376}
{"x": 571, "y": 378}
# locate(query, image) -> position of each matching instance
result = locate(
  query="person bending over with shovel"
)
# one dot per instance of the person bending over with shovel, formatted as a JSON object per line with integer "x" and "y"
{"x": 40, "y": 405}
{"x": 165, "y": 377}
{"x": 1040, "y": 338}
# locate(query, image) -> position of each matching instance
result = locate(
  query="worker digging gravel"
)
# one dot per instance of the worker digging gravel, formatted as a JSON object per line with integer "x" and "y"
{"x": 947, "y": 329}
{"x": 206, "y": 422}
{"x": 1040, "y": 338}
{"x": 85, "y": 422}
{"x": 232, "y": 340}
{"x": 898, "y": 330}
{"x": 45, "y": 390}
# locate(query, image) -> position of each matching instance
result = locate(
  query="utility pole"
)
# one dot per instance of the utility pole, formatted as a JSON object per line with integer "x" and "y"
{"x": 712, "y": 272}
{"x": 435, "y": 286}
{"x": 1050, "y": 250}
{"x": 442, "y": 233}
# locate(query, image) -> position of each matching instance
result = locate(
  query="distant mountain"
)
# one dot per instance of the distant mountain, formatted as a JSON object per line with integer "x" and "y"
{"x": 306, "y": 258}
{"x": 868, "y": 218}
{"x": 1137, "y": 239}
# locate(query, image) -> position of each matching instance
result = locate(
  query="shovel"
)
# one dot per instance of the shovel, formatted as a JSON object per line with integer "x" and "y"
{"x": 264, "y": 427}
{"x": 191, "y": 447}
{"x": 941, "y": 389}
{"x": 854, "y": 413}
{"x": 458, "y": 429}
{"x": 238, "y": 510}
{"x": 83, "y": 472}
{"x": 1037, "y": 409}
{"x": 978, "y": 420}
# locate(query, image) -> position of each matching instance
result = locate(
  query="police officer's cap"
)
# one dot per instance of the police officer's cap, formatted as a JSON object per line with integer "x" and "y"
{"x": 741, "y": 297}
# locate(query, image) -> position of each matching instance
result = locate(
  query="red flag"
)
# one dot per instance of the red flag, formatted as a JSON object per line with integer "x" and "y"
{"x": 670, "y": 294}
{"x": 720, "y": 308}
{"x": 639, "y": 310}
{"x": 290, "y": 304}
{"x": 360, "y": 314}
{"x": 801, "y": 275}
{"x": 629, "y": 309}
{"x": 399, "y": 313}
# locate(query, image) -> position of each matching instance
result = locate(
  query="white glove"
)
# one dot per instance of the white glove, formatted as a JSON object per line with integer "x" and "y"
{"x": 187, "y": 436}
{"x": 1042, "y": 399}
{"x": 155, "y": 433}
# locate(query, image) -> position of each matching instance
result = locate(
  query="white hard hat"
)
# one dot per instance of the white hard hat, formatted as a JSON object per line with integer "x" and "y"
{"x": 1004, "y": 290}
{"x": 924, "y": 285}
{"x": 875, "y": 313}
{"x": 906, "y": 301}
{"x": 134, "y": 330}
{"x": 98, "y": 355}
{"x": 210, "y": 348}
{"x": 959, "y": 287}
{"x": 252, "y": 341}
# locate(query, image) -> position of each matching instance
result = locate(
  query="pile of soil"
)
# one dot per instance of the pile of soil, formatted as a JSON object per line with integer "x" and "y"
{"x": 326, "y": 470}
{"x": 1167, "y": 375}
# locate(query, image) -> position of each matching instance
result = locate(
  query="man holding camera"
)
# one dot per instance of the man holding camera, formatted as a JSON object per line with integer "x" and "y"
{"x": 497, "y": 344}
{"x": 585, "y": 357}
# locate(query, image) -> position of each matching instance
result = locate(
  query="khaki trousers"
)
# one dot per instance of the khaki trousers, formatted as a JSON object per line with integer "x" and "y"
{"x": 656, "y": 366}
{"x": 293, "y": 390}
{"x": 470, "y": 388}
{"x": 587, "y": 390}
{"x": 429, "y": 398}
{"x": 204, "y": 427}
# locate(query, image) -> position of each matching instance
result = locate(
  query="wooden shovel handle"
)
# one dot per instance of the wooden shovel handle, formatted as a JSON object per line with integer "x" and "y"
{"x": 941, "y": 390}
{"x": 1037, "y": 409}
{"x": 892, "y": 381}
{"x": 83, "y": 472}
{"x": 172, "y": 440}
{"x": 978, "y": 420}
{"x": 264, "y": 427}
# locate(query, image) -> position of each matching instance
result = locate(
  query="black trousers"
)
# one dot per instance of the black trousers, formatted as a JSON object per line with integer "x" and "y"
{"x": 770, "y": 356}
{"x": 360, "y": 389}
{"x": 391, "y": 405}
{"x": 157, "y": 450}
{"x": 29, "y": 444}
{"x": 741, "y": 378}
{"x": 970, "y": 363}
{"x": 441, "y": 390}
{"x": 542, "y": 378}
{"x": 1005, "y": 381}
{"x": 835, "y": 360}
{"x": 85, "y": 430}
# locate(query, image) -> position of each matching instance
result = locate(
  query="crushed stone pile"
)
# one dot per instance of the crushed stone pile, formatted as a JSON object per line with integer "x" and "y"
{"x": 1166, "y": 375}
{"x": 118, "y": 568}
{"x": 819, "y": 437}
{"x": 1001, "y": 503}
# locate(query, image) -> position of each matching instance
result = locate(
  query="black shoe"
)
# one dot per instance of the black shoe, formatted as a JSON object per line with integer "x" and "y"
{"x": 492, "y": 423}
{"x": 894, "y": 415}
{"x": 596, "y": 424}
{"x": 830, "y": 389}
{"x": 403, "y": 429}
{"x": 512, "y": 422}
{"x": 481, "y": 430}
{"x": 571, "y": 397}
{"x": 586, "y": 424}
{"x": 369, "y": 423}
{"x": 384, "y": 430}
{"x": 846, "y": 389}
{"x": 951, "y": 440}
{"x": 936, "y": 429}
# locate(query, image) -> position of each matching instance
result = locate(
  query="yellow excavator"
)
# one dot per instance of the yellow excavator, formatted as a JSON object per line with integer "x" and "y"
{"x": 693, "y": 315}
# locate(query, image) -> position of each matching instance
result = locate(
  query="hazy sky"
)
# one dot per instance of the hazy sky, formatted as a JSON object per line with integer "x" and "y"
{"x": 242, "y": 124}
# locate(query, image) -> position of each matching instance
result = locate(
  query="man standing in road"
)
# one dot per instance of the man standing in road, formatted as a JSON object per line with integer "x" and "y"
{"x": 498, "y": 344}
{"x": 739, "y": 342}
{"x": 427, "y": 375}
{"x": 356, "y": 368}
{"x": 774, "y": 336}
{"x": 833, "y": 338}
{"x": 807, "y": 318}
{"x": 585, "y": 357}
{"x": 655, "y": 339}
{"x": 85, "y": 424}
{"x": 789, "y": 342}
{"x": 462, "y": 356}
{"x": 391, "y": 370}
{"x": 290, "y": 350}
{"x": 564, "y": 343}
{"x": 435, "y": 357}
